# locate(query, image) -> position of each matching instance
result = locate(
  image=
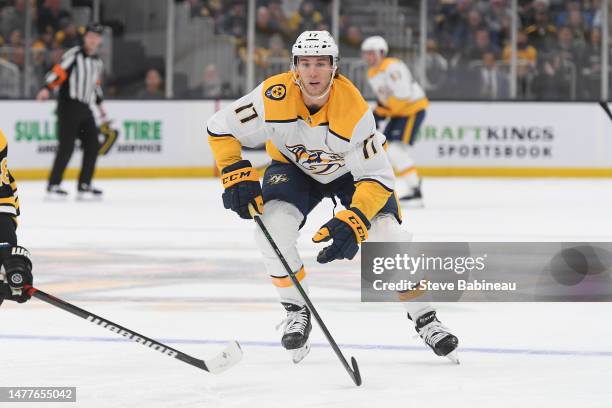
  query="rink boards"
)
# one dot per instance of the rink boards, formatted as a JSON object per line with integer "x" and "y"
{"x": 168, "y": 139}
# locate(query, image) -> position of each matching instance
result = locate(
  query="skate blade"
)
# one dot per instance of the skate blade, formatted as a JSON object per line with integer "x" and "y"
{"x": 298, "y": 355}
{"x": 55, "y": 198}
{"x": 88, "y": 198}
{"x": 452, "y": 356}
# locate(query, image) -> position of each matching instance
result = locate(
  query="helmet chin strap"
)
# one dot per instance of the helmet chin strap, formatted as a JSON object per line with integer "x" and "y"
{"x": 303, "y": 89}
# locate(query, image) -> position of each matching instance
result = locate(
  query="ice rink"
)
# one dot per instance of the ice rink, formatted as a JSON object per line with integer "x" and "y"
{"x": 162, "y": 257}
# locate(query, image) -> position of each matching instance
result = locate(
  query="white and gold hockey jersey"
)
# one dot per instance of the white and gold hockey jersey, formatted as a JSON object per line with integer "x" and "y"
{"x": 397, "y": 92}
{"x": 339, "y": 138}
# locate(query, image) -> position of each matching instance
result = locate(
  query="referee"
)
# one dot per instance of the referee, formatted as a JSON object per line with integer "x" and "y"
{"x": 77, "y": 76}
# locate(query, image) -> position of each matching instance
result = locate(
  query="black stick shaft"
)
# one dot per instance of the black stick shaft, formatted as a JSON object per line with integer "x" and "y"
{"x": 354, "y": 371}
{"x": 605, "y": 107}
{"x": 116, "y": 328}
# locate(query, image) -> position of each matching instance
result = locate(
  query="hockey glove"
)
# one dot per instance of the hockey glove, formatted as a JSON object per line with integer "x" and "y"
{"x": 347, "y": 229}
{"x": 18, "y": 269}
{"x": 241, "y": 182}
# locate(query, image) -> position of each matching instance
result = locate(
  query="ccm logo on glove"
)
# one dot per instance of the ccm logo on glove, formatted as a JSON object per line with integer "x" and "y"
{"x": 242, "y": 188}
{"x": 361, "y": 233}
{"x": 238, "y": 176}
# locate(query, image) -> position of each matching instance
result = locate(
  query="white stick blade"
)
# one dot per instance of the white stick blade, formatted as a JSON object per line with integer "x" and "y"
{"x": 228, "y": 358}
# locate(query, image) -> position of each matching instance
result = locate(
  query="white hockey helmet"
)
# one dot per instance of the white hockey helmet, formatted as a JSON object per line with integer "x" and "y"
{"x": 375, "y": 43}
{"x": 313, "y": 43}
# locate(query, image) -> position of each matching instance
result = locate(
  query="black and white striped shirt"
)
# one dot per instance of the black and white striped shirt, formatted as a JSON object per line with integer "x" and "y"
{"x": 78, "y": 76}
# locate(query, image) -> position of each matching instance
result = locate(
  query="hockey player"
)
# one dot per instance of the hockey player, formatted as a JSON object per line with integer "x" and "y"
{"x": 322, "y": 139}
{"x": 402, "y": 102}
{"x": 14, "y": 259}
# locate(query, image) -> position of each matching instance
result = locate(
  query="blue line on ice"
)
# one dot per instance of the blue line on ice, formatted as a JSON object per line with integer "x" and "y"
{"x": 483, "y": 350}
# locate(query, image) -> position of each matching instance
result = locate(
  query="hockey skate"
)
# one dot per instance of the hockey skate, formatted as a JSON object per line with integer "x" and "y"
{"x": 88, "y": 193}
{"x": 296, "y": 330}
{"x": 413, "y": 197}
{"x": 56, "y": 193}
{"x": 437, "y": 336}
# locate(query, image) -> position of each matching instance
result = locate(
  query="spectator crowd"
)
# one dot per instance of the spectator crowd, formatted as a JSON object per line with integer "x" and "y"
{"x": 53, "y": 31}
{"x": 468, "y": 48}
{"x": 558, "y": 48}
{"x": 468, "y": 44}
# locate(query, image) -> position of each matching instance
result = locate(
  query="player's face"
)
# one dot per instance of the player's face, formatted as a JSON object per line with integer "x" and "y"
{"x": 315, "y": 73}
{"x": 372, "y": 58}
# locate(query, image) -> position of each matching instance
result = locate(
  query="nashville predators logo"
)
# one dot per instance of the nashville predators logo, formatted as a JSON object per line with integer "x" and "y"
{"x": 276, "y": 92}
{"x": 277, "y": 179}
{"x": 316, "y": 161}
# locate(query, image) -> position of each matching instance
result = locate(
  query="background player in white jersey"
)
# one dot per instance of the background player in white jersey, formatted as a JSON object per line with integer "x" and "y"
{"x": 15, "y": 260}
{"x": 402, "y": 102}
{"x": 322, "y": 138}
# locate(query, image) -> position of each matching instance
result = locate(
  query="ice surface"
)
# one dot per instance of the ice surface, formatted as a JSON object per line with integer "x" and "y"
{"x": 164, "y": 258}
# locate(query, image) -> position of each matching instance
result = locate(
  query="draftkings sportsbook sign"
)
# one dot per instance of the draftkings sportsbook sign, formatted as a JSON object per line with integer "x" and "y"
{"x": 553, "y": 135}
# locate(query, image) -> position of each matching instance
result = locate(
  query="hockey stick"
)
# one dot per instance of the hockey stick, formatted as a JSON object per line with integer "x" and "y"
{"x": 605, "y": 107}
{"x": 354, "y": 371}
{"x": 230, "y": 356}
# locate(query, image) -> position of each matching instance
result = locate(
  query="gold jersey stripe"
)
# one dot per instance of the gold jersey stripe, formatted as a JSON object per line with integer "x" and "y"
{"x": 3, "y": 142}
{"x": 411, "y": 294}
{"x": 8, "y": 200}
{"x": 397, "y": 108}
